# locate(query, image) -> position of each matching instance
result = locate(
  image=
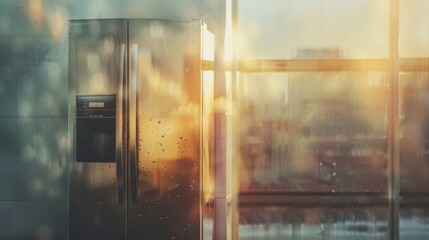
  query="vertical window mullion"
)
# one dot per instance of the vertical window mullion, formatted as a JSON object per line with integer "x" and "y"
{"x": 394, "y": 121}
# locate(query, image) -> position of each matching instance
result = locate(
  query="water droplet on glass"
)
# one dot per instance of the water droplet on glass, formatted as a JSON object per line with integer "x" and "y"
{"x": 177, "y": 195}
{"x": 140, "y": 215}
{"x": 100, "y": 203}
{"x": 177, "y": 185}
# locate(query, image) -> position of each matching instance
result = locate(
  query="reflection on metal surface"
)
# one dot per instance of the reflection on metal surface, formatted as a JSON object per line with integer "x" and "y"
{"x": 96, "y": 45}
{"x": 169, "y": 91}
{"x": 167, "y": 99}
{"x": 94, "y": 69}
{"x": 34, "y": 91}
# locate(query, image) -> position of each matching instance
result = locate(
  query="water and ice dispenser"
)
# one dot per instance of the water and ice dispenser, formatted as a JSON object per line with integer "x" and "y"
{"x": 95, "y": 128}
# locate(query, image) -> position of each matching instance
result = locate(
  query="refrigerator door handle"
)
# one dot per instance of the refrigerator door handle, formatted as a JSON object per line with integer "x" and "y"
{"x": 120, "y": 184}
{"x": 133, "y": 122}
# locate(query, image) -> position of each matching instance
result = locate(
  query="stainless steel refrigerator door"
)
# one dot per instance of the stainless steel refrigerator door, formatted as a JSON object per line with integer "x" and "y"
{"x": 164, "y": 129}
{"x": 97, "y": 206}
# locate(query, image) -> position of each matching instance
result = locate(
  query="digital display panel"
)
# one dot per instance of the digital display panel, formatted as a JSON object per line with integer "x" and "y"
{"x": 96, "y": 104}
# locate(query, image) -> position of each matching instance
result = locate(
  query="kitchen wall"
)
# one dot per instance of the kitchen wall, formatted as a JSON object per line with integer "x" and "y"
{"x": 33, "y": 101}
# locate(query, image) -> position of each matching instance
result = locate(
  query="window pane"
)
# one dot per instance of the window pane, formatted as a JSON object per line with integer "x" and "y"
{"x": 313, "y": 223}
{"x": 413, "y": 223}
{"x": 317, "y": 132}
{"x": 414, "y": 132}
{"x": 284, "y": 29}
{"x": 413, "y": 28}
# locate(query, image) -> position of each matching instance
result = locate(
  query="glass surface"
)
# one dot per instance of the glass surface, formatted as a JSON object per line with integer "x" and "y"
{"x": 312, "y": 132}
{"x": 413, "y": 224}
{"x": 414, "y": 132}
{"x": 278, "y": 223}
{"x": 284, "y": 29}
{"x": 413, "y": 30}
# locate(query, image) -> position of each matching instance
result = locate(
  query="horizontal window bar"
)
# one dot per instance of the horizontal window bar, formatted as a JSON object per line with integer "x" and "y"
{"x": 328, "y": 65}
{"x": 330, "y": 201}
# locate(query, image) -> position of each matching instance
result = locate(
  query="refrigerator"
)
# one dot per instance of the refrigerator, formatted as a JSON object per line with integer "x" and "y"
{"x": 140, "y": 129}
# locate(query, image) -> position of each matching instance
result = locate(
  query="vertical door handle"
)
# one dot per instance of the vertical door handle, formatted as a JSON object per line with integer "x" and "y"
{"x": 120, "y": 184}
{"x": 133, "y": 131}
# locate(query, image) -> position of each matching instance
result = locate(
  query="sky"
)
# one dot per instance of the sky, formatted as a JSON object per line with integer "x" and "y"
{"x": 275, "y": 29}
